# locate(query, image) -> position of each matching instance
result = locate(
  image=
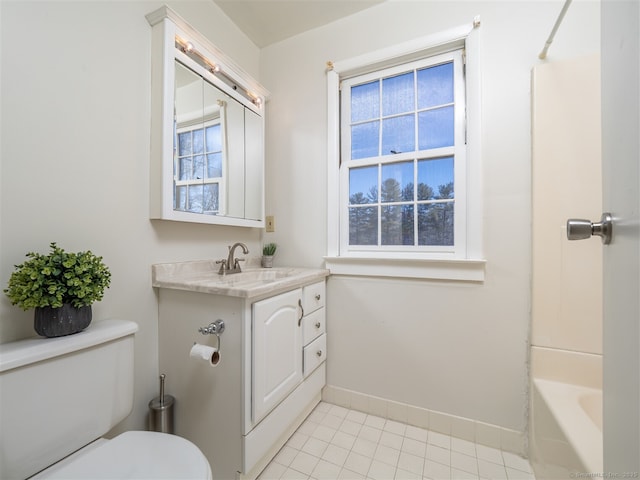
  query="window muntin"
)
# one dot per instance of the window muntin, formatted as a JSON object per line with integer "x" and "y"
{"x": 403, "y": 153}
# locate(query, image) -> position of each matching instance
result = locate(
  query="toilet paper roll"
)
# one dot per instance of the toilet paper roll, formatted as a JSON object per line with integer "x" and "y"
{"x": 205, "y": 353}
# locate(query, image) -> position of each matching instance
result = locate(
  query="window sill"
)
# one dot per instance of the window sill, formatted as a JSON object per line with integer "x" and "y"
{"x": 436, "y": 269}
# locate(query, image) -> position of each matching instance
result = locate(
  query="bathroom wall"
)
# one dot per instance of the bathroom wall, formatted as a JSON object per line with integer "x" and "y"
{"x": 75, "y": 155}
{"x": 567, "y": 183}
{"x": 460, "y": 349}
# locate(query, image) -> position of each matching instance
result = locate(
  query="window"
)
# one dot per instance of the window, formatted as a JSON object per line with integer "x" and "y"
{"x": 404, "y": 171}
{"x": 402, "y": 132}
{"x": 199, "y": 169}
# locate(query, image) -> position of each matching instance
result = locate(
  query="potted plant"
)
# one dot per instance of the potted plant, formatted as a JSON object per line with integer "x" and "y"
{"x": 61, "y": 287}
{"x": 268, "y": 251}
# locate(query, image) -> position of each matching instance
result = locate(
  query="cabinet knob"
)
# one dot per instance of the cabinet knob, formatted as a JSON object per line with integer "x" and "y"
{"x": 319, "y": 353}
{"x": 318, "y": 325}
{"x": 318, "y": 297}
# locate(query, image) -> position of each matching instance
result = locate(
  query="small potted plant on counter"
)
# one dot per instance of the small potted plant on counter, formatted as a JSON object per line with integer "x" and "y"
{"x": 268, "y": 251}
{"x": 61, "y": 287}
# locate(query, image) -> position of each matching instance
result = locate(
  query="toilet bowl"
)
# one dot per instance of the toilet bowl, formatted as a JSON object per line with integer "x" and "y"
{"x": 133, "y": 455}
{"x": 59, "y": 396}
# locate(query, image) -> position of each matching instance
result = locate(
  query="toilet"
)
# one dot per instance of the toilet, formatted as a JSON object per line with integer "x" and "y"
{"x": 59, "y": 396}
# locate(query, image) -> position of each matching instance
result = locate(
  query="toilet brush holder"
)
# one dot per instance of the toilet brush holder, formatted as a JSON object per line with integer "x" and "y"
{"x": 161, "y": 411}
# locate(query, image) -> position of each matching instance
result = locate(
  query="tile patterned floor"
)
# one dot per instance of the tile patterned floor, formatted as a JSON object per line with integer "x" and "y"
{"x": 337, "y": 443}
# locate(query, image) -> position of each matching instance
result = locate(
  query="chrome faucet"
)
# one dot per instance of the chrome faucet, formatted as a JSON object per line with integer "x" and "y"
{"x": 231, "y": 264}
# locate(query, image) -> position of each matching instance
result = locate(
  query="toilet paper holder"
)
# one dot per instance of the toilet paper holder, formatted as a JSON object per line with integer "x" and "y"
{"x": 214, "y": 328}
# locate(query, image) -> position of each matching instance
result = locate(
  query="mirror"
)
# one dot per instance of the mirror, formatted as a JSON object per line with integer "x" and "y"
{"x": 211, "y": 137}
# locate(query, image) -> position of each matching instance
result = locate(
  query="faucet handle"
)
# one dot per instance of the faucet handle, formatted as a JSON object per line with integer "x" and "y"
{"x": 237, "y": 263}
{"x": 223, "y": 267}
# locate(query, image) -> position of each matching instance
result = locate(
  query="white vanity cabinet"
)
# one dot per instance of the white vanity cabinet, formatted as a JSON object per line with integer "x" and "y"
{"x": 270, "y": 375}
{"x": 276, "y": 351}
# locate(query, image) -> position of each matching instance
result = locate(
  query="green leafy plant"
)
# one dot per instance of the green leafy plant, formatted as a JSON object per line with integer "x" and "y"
{"x": 269, "y": 249}
{"x": 58, "y": 278}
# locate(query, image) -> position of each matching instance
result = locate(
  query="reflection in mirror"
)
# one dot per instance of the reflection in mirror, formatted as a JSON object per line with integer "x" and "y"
{"x": 199, "y": 146}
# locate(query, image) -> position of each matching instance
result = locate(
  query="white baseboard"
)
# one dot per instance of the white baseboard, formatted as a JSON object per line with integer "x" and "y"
{"x": 459, "y": 427}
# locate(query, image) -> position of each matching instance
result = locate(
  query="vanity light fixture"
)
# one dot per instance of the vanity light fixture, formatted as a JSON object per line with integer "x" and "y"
{"x": 257, "y": 101}
{"x": 188, "y": 48}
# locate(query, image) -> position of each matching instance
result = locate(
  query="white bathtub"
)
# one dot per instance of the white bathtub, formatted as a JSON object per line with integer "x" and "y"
{"x": 565, "y": 429}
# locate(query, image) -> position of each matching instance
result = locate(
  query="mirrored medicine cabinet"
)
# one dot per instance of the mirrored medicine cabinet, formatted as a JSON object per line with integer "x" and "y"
{"x": 207, "y": 130}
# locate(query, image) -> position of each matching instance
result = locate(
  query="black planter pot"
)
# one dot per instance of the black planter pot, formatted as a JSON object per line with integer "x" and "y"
{"x": 58, "y": 322}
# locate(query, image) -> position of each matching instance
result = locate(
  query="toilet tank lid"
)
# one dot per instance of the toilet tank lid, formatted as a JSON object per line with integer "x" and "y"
{"x": 24, "y": 352}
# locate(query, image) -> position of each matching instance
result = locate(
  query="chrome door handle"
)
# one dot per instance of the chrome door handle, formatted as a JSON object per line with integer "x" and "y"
{"x": 579, "y": 229}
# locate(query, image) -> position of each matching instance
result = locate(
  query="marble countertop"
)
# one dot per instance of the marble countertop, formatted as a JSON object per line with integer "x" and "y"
{"x": 202, "y": 276}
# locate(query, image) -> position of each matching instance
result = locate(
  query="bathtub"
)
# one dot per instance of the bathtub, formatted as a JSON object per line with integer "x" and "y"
{"x": 565, "y": 430}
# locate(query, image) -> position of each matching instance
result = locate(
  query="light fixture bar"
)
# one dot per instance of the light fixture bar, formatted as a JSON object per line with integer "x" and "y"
{"x": 188, "y": 49}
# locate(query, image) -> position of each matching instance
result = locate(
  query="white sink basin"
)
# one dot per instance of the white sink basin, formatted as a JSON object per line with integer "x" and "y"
{"x": 202, "y": 276}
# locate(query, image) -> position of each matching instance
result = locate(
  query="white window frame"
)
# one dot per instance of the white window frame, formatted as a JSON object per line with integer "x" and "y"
{"x": 464, "y": 263}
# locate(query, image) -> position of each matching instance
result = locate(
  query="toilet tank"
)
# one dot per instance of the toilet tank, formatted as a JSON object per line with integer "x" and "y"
{"x": 59, "y": 394}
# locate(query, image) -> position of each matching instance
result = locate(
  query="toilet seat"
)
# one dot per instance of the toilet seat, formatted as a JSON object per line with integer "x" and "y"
{"x": 135, "y": 455}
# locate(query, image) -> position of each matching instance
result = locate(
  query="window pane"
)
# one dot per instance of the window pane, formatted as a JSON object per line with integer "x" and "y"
{"x": 435, "y": 224}
{"x": 198, "y": 141}
{"x": 397, "y": 182}
{"x": 211, "y": 196}
{"x": 214, "y": 165}
{"x": 214, "y": 139}
{"x": 435, "y": 178}
{"x": 364, "y": 140}
{"x": 184, "y": 168}
{"x": 435, "y": 128}
{"x": 397, "y": 94}
{"x": 365, "y": 101}
{"x": 396, "y": 225}
{"x": 195, "y": 198}
{"x": 435, "y": 86}
{"x": 198, "y": 167}
{"x": 184, "y": 143}
{"x": 180, "y": 198}
{"x": 398, "y": 135}
{"x": 363, "y": 226}
{"x": 363, "y": 185}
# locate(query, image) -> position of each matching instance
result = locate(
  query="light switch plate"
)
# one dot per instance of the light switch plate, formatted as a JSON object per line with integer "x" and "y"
{"x": 270, "y": 224}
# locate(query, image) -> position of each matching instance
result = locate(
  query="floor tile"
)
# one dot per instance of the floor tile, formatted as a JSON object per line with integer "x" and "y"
{"x": 415, "y": 447}
{"x": 304, "y": 462}
{"x": 375, "y": 422}
{"x": 391, "y": 440}
{"x": 411, "y": 463}
{"x": 387, "y": 455}
{"x": 326, "y": 471}
{"x": 516, "y": 462}
{"x": 315, "y": 447}
{"x": 491, "y": 470}
{"x": 463, "y": 446}
{"x": 439, "y": 454}
{"x": 370, "y": 433}
{"x": 460, "y": 461}
{"x": 336, "y": 443}
{"x": 358, "y": 463}
{"x": 436, "y": 471}
{"x": 336, "y": 455}
{"x": 381, "y": 471}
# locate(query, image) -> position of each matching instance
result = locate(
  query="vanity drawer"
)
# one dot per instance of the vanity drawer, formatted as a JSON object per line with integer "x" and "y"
{"x": 314, "y": 354}
{"x": 313, "y": 325}
{"x": 313, "y": 297}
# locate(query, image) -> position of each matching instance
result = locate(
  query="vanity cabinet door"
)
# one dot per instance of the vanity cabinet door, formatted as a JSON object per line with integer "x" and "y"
{"x": 277, "y": 346}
